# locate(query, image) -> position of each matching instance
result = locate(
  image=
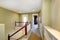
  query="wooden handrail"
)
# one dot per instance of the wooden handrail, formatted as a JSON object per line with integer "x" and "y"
{"x": 17, "y": 31}
{"x": 25, "y": 26}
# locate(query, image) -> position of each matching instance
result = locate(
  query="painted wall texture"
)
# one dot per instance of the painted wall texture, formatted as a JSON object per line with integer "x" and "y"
{"x": 46, "y": 12}
{"x": 51, "y": 13}
{"x": 8, "y": 18}
{"x": 55, "y": 7}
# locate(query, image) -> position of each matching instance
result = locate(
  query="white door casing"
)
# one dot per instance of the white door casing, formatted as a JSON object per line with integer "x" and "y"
{"x": 33, "y": 25}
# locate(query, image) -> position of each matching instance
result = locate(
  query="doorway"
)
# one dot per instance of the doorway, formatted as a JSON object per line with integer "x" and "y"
{"x": 34, "y": 21}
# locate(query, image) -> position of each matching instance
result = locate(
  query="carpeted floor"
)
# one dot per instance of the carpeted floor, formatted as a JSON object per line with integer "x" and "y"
{"x": 34, "y": 37}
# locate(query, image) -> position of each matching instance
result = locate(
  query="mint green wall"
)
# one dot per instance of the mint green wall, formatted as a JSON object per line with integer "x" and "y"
{"x": 8, "y": 18}
{"x": 46, "y": 12}
{"x": 55, "y": 7}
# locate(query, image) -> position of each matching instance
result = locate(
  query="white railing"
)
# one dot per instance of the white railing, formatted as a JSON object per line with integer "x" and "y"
{"x": 51, "y": 34}
{"x": 21, "y": 31}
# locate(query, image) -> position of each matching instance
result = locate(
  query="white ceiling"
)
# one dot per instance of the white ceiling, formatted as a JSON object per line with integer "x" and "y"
{"x": 21, "y": 6}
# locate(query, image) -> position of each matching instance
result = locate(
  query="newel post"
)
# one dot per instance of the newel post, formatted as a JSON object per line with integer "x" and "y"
{"x": 8, "y": 37}
{"x": 26, "y": 28}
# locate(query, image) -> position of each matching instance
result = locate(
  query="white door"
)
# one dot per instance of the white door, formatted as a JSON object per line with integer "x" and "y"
{"x": 2, "y": 32}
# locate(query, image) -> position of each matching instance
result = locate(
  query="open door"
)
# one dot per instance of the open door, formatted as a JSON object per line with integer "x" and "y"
{"x": 34, "y": 21}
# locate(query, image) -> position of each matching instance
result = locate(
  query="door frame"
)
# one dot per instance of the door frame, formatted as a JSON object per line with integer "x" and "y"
{"x": 33, "y": 18}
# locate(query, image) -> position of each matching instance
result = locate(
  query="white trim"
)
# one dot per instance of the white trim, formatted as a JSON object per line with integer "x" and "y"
{"x": 53, "y": 33}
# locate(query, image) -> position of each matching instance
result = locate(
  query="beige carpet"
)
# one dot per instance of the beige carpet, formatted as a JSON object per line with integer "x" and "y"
{"x": 34, "y": 37}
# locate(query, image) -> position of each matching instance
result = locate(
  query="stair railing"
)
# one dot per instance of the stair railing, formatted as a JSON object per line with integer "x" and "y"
{"x": 25, "y": 26}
